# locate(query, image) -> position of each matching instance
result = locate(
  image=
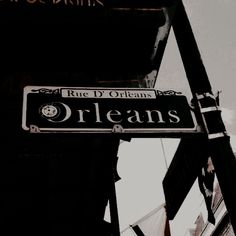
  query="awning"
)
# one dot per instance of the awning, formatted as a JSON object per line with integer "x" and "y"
{"x": 83, "y": 35}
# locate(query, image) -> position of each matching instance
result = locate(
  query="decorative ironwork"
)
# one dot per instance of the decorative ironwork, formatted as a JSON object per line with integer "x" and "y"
{"x": 117, "y": 129}
{"x": 46, "y": 91}
{"x": 167, "y": 92}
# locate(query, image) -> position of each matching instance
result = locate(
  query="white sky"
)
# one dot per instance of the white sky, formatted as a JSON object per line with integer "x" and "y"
{"x": 141, "y": 162}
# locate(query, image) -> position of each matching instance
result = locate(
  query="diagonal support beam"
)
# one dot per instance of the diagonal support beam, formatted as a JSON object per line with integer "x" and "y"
{"x": 220, "y": 149}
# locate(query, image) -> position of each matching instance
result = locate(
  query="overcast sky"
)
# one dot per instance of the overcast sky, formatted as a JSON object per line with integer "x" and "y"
{"x": 141, "y": 162}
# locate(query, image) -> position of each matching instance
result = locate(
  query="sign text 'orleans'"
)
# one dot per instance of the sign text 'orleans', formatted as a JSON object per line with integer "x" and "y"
{"x": 103, "y": 110}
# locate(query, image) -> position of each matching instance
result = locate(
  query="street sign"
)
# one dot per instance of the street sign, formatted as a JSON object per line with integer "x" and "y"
{"x": 105, "y": 110}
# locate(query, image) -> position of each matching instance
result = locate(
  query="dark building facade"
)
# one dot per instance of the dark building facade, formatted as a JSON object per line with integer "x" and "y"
{"x": 60, "y": 183}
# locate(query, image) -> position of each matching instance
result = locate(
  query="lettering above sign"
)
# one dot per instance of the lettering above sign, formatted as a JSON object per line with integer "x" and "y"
{"x": 105, "y": 110}
{"x": 93, "y": 3}
{"x": 82, "y": 3}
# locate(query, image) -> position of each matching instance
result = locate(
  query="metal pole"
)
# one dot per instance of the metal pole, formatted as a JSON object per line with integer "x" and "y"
{"x": 114, "y": 212}
{"x": 219, "y": 143}
{"x": 112, "y": 195}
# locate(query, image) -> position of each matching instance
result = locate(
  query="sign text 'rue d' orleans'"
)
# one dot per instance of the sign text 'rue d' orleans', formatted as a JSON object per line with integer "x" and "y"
{"x": 103, "y": 110}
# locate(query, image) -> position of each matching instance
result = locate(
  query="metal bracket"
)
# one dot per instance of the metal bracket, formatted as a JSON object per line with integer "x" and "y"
{"x": 209, "y": 109}
{"x": 201, "y": 96}
{"x": 217, "y": 135}
{"x": 210, "y": 106}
